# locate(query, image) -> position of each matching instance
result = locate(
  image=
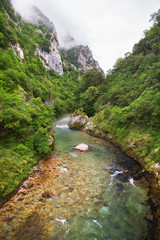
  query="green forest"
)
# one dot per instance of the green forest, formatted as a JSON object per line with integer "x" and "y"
{"x": 124, "y": 104}
{"x": 129, "y": 107}
{"x": 26, "y": 120}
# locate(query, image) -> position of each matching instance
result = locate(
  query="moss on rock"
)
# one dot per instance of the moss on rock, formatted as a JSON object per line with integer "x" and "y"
{"x": 78, "y": 119}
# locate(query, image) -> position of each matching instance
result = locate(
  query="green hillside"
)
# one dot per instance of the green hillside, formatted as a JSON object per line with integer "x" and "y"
{"x": 128, "y": 108}
{"x": 31, "y": 98}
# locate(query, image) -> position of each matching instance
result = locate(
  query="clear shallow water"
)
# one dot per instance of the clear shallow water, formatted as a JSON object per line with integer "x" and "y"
{"x": 117, "y": 209}
{"x": 95, "y": 195}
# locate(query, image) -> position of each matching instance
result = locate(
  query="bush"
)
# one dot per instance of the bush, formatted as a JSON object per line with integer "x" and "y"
{"x": 41, "y": 141}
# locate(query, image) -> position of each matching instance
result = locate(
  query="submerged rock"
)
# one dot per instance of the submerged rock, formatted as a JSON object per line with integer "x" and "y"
{"x": 120, "y": 186}
{"x": 123, "y": 177}
{"x": 106, "y": 167}
{"x": 115, "y": 169}
{"x": 120, "y": 173}
{"x": 47, "y": 194}
{"x": 82, "y": 147}
{"x": 104, "y": 211}
{"x": 78, "y": 119}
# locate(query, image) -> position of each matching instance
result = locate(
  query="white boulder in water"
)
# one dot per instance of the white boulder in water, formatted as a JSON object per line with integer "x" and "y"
{"x": 82, "y": 147}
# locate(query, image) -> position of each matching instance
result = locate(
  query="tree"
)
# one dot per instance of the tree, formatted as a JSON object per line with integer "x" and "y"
{"x": 91, "y": 78}
{"x": 87, "y": 100}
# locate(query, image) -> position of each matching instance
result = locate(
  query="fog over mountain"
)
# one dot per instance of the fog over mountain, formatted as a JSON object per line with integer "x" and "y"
{"x": 109, "y": 28}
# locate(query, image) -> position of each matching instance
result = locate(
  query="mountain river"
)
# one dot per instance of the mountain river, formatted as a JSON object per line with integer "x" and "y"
{"x": 97, "y": 195}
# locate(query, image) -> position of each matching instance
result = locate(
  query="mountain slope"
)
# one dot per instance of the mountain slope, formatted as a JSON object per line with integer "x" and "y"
{"x": 130, "y": 104}
{"x": 49, "y": 50}
{"x": 31, "y": 96}
{"x": 81, "y": 57}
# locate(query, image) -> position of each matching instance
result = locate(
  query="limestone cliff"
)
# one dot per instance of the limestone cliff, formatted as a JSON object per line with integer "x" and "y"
{"x": 81, "y": 57}
{"x": 18, "y": 51}
{"x": 46, "y": 46}
{"x": 52, "y": 58}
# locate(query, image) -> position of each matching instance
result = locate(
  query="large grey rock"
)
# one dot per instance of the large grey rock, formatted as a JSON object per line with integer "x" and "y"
{"x": 78, "y": 120}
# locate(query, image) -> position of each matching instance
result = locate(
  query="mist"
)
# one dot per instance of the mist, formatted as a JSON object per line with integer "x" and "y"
{"x": 109, "y": 27}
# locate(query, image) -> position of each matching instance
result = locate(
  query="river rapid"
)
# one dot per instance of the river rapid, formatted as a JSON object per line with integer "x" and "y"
{"x": 97, "y": 195}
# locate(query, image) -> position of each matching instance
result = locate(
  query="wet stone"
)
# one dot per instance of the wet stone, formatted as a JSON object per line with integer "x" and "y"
{"x": 82, "y": 147}
{"x": 114, "y": 169}
{"x": 123, "y": 177}
{"x": 47, "y": 194}
{"x": 120, "y": 186}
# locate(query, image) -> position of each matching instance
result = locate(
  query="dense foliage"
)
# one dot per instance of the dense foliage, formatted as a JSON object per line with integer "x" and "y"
{"x": 127, "y": 102}
{"x": 130, "y": 105}
{"x": 31, "y": 98}
{"x": 91, "y": 86}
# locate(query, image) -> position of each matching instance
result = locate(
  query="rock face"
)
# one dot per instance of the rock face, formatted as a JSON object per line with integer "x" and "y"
{"x": 81, "y": 57}
{"x": 51, "y": 60}
{"x": 18, "y": 51}
{"x": 82, "y": 147}
{"x": 78, "y": 120}
{"x": 76, "y": 57}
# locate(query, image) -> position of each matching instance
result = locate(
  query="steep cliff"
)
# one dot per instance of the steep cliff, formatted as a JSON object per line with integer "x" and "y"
{"x": 51, "y": 57}
{"x": 41, "y": 34}
{"x": 81, "y": 57}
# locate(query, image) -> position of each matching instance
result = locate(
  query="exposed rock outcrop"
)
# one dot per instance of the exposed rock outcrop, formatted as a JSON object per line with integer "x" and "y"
{"x": 78, "y": 119}
{"x": 75, "y": 57}
{"x": 51, "y": 59}
{"x": 18, "y": 51}
{"x": 81, "y": 57}
{"x": 89, "y": 126}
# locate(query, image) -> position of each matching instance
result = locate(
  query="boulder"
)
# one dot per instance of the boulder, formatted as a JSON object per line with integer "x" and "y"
{"x": 78, "y": 120}
{"x": 89, "y": 127}
{"x": 82, "y": 147}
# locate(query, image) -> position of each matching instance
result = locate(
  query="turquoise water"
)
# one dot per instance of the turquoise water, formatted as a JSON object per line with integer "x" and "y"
{"x": 118, "y": 208}
{"x": 95, "y": 195}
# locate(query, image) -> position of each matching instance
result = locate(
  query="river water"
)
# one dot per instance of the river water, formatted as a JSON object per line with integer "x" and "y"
{"x": 96, "y": 195}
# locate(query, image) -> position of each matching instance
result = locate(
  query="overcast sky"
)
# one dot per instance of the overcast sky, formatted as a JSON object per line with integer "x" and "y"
{"x": 109, "y": 27}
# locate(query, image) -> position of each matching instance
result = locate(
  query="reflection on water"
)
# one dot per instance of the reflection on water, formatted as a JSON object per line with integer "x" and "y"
{"x": 95, "y": 195}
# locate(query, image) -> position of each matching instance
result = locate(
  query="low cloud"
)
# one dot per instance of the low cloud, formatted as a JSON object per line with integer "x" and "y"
{"x": 109, "y": 27}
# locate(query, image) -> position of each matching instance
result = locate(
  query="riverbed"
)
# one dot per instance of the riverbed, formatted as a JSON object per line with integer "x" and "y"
{"x": 100, "y": 194}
